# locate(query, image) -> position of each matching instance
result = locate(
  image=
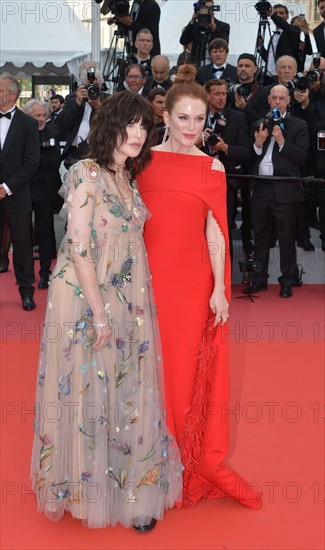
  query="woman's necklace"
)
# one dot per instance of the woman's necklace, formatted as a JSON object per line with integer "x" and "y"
{"x": 121, "y": 180}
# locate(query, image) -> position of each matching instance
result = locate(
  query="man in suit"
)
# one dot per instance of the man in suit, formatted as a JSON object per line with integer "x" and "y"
{"x": 319, "y": 32}
{"x": 231, "y": 142}
{"x": 284, "y": 41}
{"x": 281, "y": 151}
{"x": 136, "y": 80}
{"x": 143, "y": 14}
{"x": 160, "y": 72}
{"x": 75, "y": 117}
{"x": 218, "y": 68}
{"x": 144, "y": 45}
{"x": 44, "y": 186}
{"x": 19, "y": 160}
{"x": 201, "y": 35}
{"x": 57, "y": 102}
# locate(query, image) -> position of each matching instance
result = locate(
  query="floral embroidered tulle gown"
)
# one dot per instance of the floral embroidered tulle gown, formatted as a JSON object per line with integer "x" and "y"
{"x": 101, "y": 447}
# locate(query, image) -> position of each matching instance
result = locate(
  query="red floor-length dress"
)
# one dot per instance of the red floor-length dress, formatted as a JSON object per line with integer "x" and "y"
{"x": 179, "y": 190}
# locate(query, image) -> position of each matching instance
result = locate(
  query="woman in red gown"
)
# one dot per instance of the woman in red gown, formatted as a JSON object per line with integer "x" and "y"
{"x": 186, "y": 239}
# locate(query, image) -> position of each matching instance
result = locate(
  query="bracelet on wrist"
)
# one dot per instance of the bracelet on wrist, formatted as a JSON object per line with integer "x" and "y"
{"x": 101, "y": 325}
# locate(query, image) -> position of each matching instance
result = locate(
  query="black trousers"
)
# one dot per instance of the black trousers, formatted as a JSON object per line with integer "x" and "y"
{"x": 43, "y": 210}
{"x": 265, "y": 211}
{"x": 21, "y": 237}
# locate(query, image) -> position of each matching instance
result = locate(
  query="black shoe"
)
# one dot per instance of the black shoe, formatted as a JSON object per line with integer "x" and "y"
{"x": 43, "y": 283}
{"x": 255, "y": 287}
{"x": 285, "y": 292}
{"x": 4, "y": 265}
{"x": 306, "y": 245}
{"x": 28, "y": 303}
{"x": 323, "y": 246}
{"x": 147, "y": 527}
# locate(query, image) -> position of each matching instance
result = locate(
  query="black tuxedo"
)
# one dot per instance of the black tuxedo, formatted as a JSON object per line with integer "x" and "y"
{"x": 277, "y": 200}
{"x": 44, "y": 190}
{"x": 288, "y": 43}
{"x": 19, "y": 160}
{"x": 319, "y": 38}
{"x": 192, "y": 34}
{"x": 205, "y": 73}
{"x": 236, "y": 135}
{"x": 148, "y": 18}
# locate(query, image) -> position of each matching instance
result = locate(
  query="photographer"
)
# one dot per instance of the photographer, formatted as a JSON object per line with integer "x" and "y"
{"x": 143, "y": 14}
{"x": 144, "y": 45}
{"x": 319, "y": 34}
{"x": 284, "y": 41}
{"x": 318, "y": 164}
{"x": 77, "y": 112}
{"x": 226, "y": 137}
{"x": 305, "y": 47}
{"x": 246, "y": 95}
{"x": 44, "y": 186}
{"x": 202, "y": 29}
{"x": 281, "y": 147}
{"x": 218, "y": 68}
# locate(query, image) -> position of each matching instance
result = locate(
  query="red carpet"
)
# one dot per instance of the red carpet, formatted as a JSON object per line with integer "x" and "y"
{"x": 276, "y": 424}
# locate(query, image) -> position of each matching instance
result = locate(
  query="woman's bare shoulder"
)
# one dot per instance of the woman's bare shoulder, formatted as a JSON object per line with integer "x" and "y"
{"x": 217, "y": 165}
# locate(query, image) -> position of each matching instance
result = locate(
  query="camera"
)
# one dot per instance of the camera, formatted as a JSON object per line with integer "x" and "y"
{"x": 241, "y": 89}
{"x": 249, "y": 268}
{"x": 120, "y": 8}
{"x": 93, "y": 90}
{"x": 299, "y": 82}
{"x": 316, "y": 60}
{"x": 219, "y": 126}
{"x": 271, "y": 119}
{"x": 263, "y": 8}
{"x": 204, "y": 13}
{"x": 314, "y": 75}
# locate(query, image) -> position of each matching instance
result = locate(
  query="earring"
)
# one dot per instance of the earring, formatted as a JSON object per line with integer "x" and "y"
{"x": 203, "y": 140}
{"x": 166, "y": 133}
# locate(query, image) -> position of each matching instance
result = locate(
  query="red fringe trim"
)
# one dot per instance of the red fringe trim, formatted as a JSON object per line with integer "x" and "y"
{"x": 192, "y": 440}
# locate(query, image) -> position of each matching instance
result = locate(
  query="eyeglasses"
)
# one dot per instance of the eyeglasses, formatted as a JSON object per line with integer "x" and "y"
{"x": 135, "y": 76}
{"x": 144, "y": 40}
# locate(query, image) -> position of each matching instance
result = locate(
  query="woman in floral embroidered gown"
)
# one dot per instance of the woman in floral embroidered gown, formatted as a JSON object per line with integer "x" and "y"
{"x": 101, "y": 448}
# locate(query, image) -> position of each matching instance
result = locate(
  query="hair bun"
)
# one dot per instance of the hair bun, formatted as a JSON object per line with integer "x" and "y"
{"x": 185, "y": 73}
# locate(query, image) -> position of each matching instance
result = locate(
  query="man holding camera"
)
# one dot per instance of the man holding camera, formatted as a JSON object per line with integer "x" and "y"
{"x": 77, "y": 112}
{"x": 143, "y": 14}
{"x": 202, "y": 29}
{"x": 281, "y": 148}
{"x": 319, "y": 31}
{"x": 284, "y": 41}
{"x": 226, "y": 137}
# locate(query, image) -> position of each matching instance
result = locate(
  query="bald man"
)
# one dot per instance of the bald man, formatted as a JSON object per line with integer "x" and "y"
{"x": 281, "y": 151}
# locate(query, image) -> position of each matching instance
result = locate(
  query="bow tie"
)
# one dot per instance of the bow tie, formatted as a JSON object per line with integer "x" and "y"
{"x": 7, "y": 115}
{"x": 220, "y": 69}
{"x": 276, "y": 32}
{"x": 144, "y": 62}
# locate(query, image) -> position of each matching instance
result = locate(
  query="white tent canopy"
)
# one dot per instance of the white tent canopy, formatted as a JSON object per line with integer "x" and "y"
{"x": 41, "y": 31}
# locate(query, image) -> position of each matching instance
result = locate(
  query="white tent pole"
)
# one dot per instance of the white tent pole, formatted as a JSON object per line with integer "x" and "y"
{"x": 95, "y": 32}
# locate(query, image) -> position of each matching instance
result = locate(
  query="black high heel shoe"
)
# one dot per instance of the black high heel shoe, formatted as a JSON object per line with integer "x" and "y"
{"x": 146, "y": 527}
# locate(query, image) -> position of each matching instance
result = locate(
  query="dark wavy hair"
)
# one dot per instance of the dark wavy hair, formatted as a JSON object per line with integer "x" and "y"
{"x": 109, "y": 123}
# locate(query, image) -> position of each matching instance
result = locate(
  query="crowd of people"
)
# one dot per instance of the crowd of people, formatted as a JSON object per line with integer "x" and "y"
{"x": 240, "y": 100}
{"x": 132, "y": 438}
